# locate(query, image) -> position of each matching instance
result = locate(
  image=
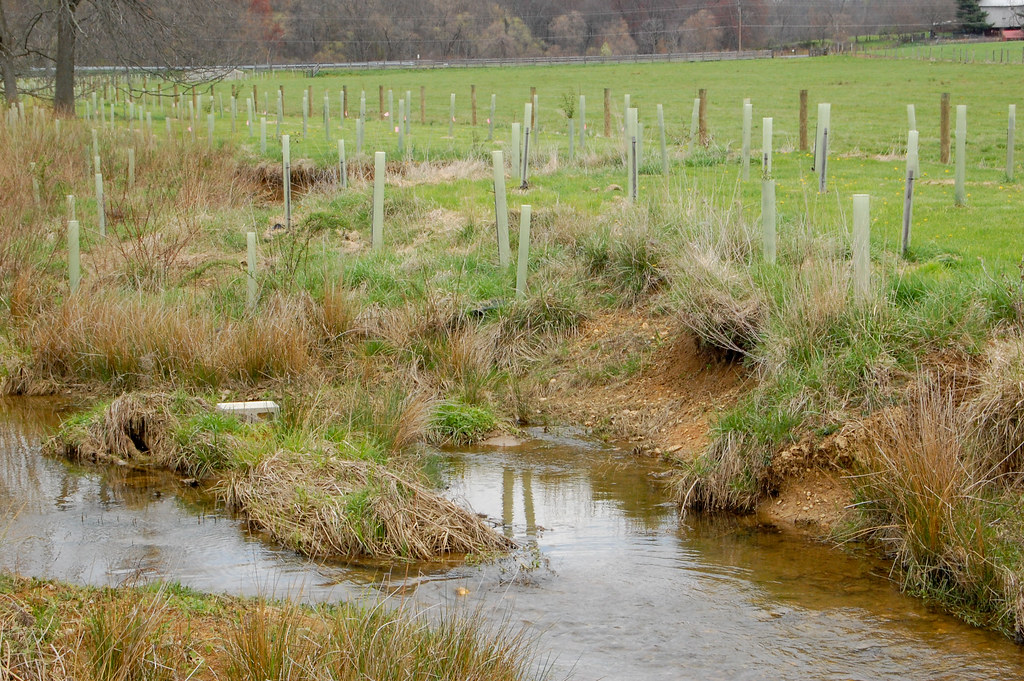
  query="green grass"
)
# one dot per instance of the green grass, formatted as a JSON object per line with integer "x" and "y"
{"x": 459, "y": 423}
{"x": 977, "y": 51}
{"x": 869, "y": 120}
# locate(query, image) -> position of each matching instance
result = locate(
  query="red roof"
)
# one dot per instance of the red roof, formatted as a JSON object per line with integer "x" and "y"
{"x": 1013, "y": 34}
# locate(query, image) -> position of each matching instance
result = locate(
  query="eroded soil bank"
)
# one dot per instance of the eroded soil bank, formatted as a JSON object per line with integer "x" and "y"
{"x": 636, "y": 378}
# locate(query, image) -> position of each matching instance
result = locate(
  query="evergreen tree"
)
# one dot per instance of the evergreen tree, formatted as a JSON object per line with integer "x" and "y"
{"x": 972, "y": 18}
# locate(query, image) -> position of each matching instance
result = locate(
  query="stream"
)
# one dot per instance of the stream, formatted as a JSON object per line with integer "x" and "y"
{"x": 613, "y": 585}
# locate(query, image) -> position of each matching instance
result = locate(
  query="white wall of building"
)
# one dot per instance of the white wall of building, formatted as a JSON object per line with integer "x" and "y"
{"x": 1003, "y": 13}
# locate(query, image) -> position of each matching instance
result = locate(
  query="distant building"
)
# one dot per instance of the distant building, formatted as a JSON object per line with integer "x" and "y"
{"x": 1003, "y": 14}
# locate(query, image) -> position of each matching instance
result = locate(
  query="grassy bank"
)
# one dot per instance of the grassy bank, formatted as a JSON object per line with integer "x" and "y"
{"x": 372, "y": 351}
{"x": 53, "y": 631}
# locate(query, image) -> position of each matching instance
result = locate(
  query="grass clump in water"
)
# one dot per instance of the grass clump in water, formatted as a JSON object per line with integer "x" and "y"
{"x": 330, "y": 506}
{"x": 459, "y": 424}
{"x": 321, "y": 491}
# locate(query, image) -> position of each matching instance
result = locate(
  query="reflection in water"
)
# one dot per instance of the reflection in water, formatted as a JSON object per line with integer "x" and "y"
{"x": 624, "y": 591}
{"x": 629, "y": 593}
{"x": 508, "y": 478}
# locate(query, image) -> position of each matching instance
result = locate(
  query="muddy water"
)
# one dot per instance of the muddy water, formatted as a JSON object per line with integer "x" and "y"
{"x": 616, "y": 588}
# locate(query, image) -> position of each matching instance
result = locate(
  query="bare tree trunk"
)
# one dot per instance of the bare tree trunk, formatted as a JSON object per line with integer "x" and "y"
{"x": 67, "y": 34}
{"x": 7, "y": 60}
{"x": 10, "y": 77}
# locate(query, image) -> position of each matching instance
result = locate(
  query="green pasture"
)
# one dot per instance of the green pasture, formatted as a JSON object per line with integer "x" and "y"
{"x": 990, "y": 51}
{"x": 869, "y": 99}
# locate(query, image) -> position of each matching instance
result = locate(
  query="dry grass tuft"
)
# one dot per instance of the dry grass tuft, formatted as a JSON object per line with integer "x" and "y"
{"x": 922, "y": 477}
{"x": 27, "y": 652}
{"x": 928, "y": 496}
{"x": 132, "y": 428}
{"x": 275, "y": 342}
{"x": 383, "y": 643}
{"x": 996, "y": 411}
{"x": 815, "y": 302}
{"x": 442, "y": 172}
{"x": 468, "y": 366}
{"x": 145, "y": 429}
{"x": 384, "y": 410}
{"x": 135, "y": 341}
{"x": 122, "y": 641}
{"x": 340, "y": 313}
{"x": 719, "y": 302}
{"x": 432, "y": 317}
{"x": 106, "y": 336}
{"x": 269, "y": 643}
{"x": 729, "y": 476}
{"x": 333, "y": 506}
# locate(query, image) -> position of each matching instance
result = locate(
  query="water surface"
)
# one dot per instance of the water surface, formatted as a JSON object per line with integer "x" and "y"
{"x": 612, "y": 583}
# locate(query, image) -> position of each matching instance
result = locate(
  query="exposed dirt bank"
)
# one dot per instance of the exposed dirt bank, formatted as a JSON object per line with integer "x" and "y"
{"x": 631, "y": 376}
{"x": 635, "y": 377}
